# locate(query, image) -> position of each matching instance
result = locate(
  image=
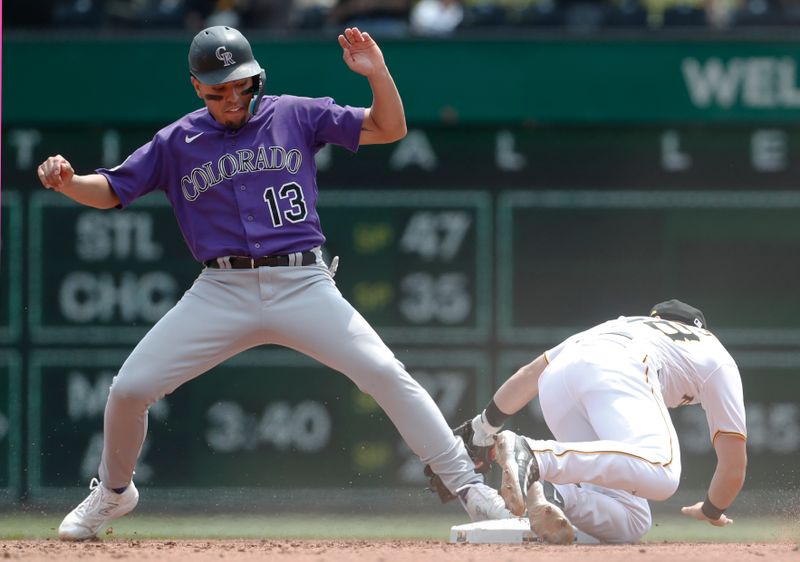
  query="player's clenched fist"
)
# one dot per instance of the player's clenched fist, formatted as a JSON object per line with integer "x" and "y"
{"x": 55, "y": 172}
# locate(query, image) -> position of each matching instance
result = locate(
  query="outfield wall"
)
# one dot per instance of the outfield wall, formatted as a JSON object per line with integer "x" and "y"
{"x": 465, "y": 81}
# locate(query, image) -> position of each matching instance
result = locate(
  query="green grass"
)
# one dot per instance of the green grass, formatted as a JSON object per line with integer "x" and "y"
{"x": 751, "y": 529}
{"x": 247, "y": 527}
{"x": 14, "y": 526}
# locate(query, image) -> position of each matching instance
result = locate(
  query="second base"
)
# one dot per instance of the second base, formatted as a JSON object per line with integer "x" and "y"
{"x": 503, "y": 531}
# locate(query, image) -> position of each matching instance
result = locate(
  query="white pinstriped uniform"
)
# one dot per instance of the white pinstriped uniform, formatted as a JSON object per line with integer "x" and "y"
{"x": 605, "y": 394}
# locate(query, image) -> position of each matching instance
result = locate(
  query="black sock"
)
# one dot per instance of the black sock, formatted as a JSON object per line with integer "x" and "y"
{"x": 119, "y": 490}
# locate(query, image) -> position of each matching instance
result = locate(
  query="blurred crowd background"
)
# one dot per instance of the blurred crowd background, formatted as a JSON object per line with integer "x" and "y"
{"x": 403, "y": 17}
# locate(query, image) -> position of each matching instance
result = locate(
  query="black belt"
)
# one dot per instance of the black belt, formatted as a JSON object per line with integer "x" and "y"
{"x": 242, "y": 262}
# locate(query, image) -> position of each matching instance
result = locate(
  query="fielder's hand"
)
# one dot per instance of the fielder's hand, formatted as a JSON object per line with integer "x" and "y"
{"x": 480, "y": 455}
{"x": 696, "y": 511}
{"x": 479, "y": 444}
{"x": 55, "y": 173}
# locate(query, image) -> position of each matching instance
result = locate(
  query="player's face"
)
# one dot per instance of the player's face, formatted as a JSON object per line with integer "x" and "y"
{"x": 227, "y": 102}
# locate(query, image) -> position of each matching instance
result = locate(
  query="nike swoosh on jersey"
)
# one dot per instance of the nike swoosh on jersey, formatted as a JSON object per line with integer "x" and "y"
{"x": 189, "y": 139}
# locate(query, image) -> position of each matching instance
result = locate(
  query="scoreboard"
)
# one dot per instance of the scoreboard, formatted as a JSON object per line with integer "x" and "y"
{"x": 421, "y": 272}
{"x": 102, "y": 276}
{"x": 470, "y": 251}
{"x": 618, "y": 253}
{"x": 11, "y": 264}
{"x": 10, "y": 423}
{"x": 266, "y": 418}
{"x": 413, "y": 263}
{"x": 489, "y": 158}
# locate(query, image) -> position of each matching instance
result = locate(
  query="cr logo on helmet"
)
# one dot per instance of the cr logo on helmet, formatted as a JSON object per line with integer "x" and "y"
{"x": 225, "y": 56}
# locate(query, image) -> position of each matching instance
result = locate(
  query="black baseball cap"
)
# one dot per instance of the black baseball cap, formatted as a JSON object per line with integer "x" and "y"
{"x": 674, "y": 309}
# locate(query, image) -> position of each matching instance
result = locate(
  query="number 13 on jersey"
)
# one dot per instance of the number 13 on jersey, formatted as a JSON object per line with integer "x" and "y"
{"x": 297, "y": 211}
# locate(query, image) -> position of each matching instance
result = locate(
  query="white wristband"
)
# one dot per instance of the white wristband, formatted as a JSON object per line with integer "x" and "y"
{"x": 483, "y": 431}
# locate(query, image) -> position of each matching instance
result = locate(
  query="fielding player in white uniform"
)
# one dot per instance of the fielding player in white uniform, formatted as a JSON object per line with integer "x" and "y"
{"x": 241, "y": 177}
{"x": 604, "y": 394}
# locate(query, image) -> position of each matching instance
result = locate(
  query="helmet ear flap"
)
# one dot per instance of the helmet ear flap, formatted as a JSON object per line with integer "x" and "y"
{"x": 259, "y": 82}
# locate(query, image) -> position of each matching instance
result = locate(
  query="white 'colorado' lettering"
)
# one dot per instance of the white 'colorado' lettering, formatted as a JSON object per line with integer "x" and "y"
{"x": 244, "y": 161}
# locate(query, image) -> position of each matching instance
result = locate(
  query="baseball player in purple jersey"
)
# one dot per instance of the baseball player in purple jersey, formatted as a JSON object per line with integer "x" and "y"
{"x": 241, "y": 177}
{"x": 604, "y": 394}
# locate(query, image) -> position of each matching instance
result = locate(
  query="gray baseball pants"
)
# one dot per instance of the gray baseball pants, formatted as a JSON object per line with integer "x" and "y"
{"x": 228, "y": 311}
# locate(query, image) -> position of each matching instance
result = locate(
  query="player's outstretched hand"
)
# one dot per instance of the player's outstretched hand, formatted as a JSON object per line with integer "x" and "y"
{"x": 696, "y": 511}
{"x": 55, "y": 172}
{"x": 361, "y": 52}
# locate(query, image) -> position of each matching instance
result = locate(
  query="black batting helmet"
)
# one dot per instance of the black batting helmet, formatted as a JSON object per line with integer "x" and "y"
{"x": 222, "y": 54}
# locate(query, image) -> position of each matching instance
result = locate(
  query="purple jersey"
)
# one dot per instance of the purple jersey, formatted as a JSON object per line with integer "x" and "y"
{"x": 250, "y": 192}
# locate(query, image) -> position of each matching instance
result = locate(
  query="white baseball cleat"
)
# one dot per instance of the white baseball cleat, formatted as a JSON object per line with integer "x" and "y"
{"x": 519, "y": 468}
{"x": 547, "y": 520}
{"x": 482, "y": 502}
{"x": 521, "y": 490}
{"x": 93, "y": 514}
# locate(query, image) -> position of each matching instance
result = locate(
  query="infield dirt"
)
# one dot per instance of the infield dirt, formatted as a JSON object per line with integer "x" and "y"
{"x": 387, "y": 551}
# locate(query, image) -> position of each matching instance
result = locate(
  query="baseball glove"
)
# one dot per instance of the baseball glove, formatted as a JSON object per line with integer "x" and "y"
{"x": 481, "y": 456}
{"x": 435, "y": 484}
